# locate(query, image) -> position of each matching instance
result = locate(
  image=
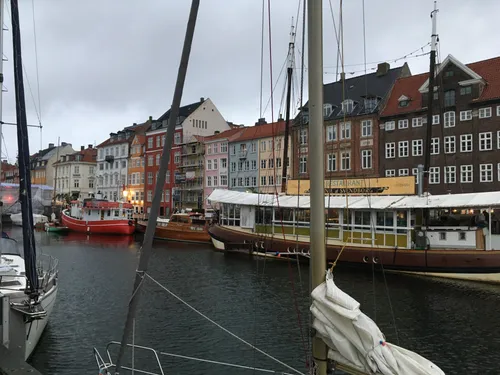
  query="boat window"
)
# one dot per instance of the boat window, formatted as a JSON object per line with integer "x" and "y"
{"x": 303, "y": 217}
{"x": 462, "y": 236}
{"x": 117, "y": 213}
{"x": 442, "y": 236}
{"x": 183, "y": 219}
{"x": 385, "y": 219}
{"x": 402, "y": 220}
{"x": 237, "y": 215}
{"x": 109, "y": 212}
{"x": 332, "y": 217}
{"x": 174, "y": 219}
{"x": 362, "y": 219}
{"x": 198, "y": 221}
{"x": 264, "y": 215}
{"x": 283, "y": 214}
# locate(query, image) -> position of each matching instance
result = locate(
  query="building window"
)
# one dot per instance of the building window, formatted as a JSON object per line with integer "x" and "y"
{"x": 233, "y": 182}
{"x": 416, "y": 122}
{"x": 150, "y": 196}
{"x": 366, "y": 128}
{"x": 435, "y": 146}
{"x": 76, "y": 183}
{"x": 434, "y": 177}
{"x": 486, "y": 172}
{"x": 223, "y": 180}
{"x": 270, "y": 180}
{"x": 435, "y": 119}
{"x": 404, "y": 172}
{"x": 91, "y": 184}
{"x": 209, "y": 149}
{"x": 449, "y": 73}
{"x": 345, "y": 130}
{"x": 158, "y": 140}
{"x": 150, "y": 142}
{"x": 366, "y": 159}
{"x": 223, "y": 163}
{"x": 449, "y": 144}
{"x": 485, "y": 141}
{"x": 466, "y": 90}
{"x": 331, "y": 133}
{"x": 331, "y": 163}
{"x": 177, "y": 138}
{"x": 449, "y": 98}
{"x": 347, "y": 106}
{"x": 390, "y": 173}
{"x": 263, "y": 164}
{"x": 209, "y": 181}
{"x": 403, "y": 149}
{"x": 209, "y": 165}
{"x": 240, "y": 181}
{"x": 449, "y": 119}
{"x": 327, "y": 110}
{"x": 498, "y": 110}
{"x": 450, "y": 174}
{"x": 303, "y": 164}
{"x": 466, "y": 174}
{"x": 303, "y": 136}
{"x": 390, "y": 125}
{"x": 223, "y": 147}
{"x": 403, "y": 124}
{"x": 466, "y": 143}
{"x": 254, "y": 165}
{"x": 417, "y": 147}
{"x": 150, "y": 178}
{"x": 465, "y": 115}
{"x": 485, "y": 112}
{"x": 345, "y": 161}
{"x": 263, "y": 180}
{"x": 253, "y": 147}
{"x": 177, "y": 157}
{"x": 233, "y": 150}
{"x": 158, "y": 158}
{"x": 390, "y": 150}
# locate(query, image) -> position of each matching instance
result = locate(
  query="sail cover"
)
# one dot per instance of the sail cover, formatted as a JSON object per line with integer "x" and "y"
{"x": 355, "y": 340}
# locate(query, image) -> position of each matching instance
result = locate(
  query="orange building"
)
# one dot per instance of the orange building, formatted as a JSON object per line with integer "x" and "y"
{"x": 136, "y": 167}
{"x": 42, "y": 163}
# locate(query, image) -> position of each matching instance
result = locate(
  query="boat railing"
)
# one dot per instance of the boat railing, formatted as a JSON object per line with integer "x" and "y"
{"x": 48, "y": 267}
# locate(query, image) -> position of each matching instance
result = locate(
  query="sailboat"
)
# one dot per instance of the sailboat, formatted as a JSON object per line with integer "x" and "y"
{"x": 344, "y": 335}
{"x": 28, "y": 286}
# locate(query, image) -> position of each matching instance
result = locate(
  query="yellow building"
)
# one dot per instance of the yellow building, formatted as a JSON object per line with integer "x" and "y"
{"x": 271, "y": 159}
{"x": 136, "y": 168}
{"x": 42, "y": 163}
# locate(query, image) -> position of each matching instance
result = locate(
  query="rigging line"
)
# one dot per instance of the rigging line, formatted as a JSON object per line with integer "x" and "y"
{"x": 364, "y": 47}
{"x": 336, "y": 38}
{"x": 219, "y": 326}
{"x": 224, "y": 363}
{"x": 262, "y": 56}
{"x": 275, "y": 84}
{"x": 390, "y": 303}
{"x": 270, "y": 57}
{"x": 36, "y": 60}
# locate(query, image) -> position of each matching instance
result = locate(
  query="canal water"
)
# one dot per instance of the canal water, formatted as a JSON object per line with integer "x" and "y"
{"x": 455, "y": 324}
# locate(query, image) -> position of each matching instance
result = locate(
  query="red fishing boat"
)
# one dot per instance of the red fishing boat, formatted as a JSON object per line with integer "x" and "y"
{"x": 95, "y": 215}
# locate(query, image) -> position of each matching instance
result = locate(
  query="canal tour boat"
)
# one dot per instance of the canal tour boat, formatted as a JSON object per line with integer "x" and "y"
{"x": 97, "y": 215}
{"x": 182, "y": 227}
{"x": 368, "y": 230}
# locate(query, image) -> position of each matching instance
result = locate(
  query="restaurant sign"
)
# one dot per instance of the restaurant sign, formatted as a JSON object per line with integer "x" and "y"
{"x": 378, "y": 186}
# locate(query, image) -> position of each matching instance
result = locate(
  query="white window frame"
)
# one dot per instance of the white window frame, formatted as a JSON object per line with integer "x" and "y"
{"x": 403, "y": 149}
{"x": 390, "y": 173}
{"x": 434, "y": 175}
{"x": 450, "y": 174}
{"x": 403, "y": 124}
{"x": 436, "y": 119}
{"x": 449, "y": 119}
{"x": 485, "y": 172}
{"x": 417, "y": 122}
{"x": 345, "y": 158}
{"x": 390, "y": 150}
{"x": 345, "y": 130}
{"x": 450, "y": 144}
{"x": 403, "y": 172}
{"x": 366, "y": 159}
{"x": 366, "y": 128}
{"x": 485, "y": 141}
{"x": 331, "y": 133}
{"x": 466, "y": 171}
{"x": 485, "y": 112}
{"x": 331, "y": 160}
{"x": 466, "y": 115}
{"x": 466, "y": 142}
{"x": 435, "y": 146}
{"x": 390, "y": 125}
{"x": 417, "y": 147}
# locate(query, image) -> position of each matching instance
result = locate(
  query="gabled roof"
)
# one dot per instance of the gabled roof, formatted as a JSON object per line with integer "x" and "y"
{"x": 227, "y": 134}
{"x": 184, "y": 111}
{"x": 260, "y": 131}
{"x": 450, "y": 59}
{"x": 487, "y": 70}
{"x": 89, "y": 155}
{"x": 357, "y": 89}
{"x": 128, "y": 134}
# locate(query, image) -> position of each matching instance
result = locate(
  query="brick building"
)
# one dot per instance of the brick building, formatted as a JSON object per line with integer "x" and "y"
{"x": 465, "y": 146}
{"x": 350, "y": 110}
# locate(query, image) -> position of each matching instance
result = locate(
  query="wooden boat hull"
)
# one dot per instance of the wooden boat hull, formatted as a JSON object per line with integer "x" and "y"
{"x": 476, "y": 265}
{"x": 175, "y": 232}
{"x": 125, "y": 226}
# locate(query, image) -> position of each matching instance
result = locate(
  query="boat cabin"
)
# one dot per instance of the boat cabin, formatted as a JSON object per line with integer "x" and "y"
{"x": 92, "y": 209}
{"x": 193, "y": 219}
{"x": 381, "y": 221}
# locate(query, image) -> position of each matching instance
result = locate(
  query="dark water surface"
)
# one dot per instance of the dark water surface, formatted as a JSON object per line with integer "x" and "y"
{"x": 454, "y": 324}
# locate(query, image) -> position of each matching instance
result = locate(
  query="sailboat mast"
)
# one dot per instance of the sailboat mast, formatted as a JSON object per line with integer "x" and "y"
{"x": 316, "y": 162}
{"x": 430, "y": 100}
{"x": 24, "y": 158}
{"x": 2, "y": 11}
{"x": 291, "y": 52}
{"x": 160, "y": 181}
{"x": 55, "y": 175}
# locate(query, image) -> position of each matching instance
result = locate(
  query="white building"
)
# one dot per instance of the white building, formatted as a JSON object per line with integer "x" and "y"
{"x": 112, "y": 161}
{"x": 75, "y": 173}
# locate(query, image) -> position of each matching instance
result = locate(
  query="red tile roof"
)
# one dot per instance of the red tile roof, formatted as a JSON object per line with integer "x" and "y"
{"x": 89, "y": 155}
{"x": 261, "y": 131}
{"x": 489, "y": 70}
{"x": 133, "y": 130}
{"x": 227, "y": 134}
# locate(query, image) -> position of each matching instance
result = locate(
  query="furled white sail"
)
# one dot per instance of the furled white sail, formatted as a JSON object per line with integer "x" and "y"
{"x": 356, "y": 341}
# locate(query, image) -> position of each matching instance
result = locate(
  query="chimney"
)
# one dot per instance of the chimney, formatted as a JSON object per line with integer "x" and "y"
{"x": 51, "y": 145}
{"x": 63, "y": 144}
{"x": 383, "y": 69}
{"x": 280, "y": 119}
{"x": 202, "y": 99}
{"x": 261, "y": 121}
{"x": 134, "y": 124}
{"x": 90, "y": 146}
{"x": 150, "y": 118}
{"x": 82, "y": 148}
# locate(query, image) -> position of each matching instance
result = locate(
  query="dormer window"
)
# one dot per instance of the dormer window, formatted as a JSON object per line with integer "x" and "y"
{"x": 347, "y": 106}
{"x": 403, "y": 101}
{"x": 370, "y": 103}
{"x": 327, "y": 110}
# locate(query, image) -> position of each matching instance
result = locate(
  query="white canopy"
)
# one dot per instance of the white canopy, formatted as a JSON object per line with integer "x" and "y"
{"x": 355, "y": 340}
{"x": 378, "y": 202}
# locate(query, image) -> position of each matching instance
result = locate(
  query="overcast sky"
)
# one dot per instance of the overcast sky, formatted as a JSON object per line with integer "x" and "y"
{"x": 106, "y": 64}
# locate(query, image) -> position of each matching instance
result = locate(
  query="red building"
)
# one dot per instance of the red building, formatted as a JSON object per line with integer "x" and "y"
{"x": 10, "y": 173}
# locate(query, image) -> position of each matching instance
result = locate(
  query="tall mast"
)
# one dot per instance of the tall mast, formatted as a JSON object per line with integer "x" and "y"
{"x": 55, "y": 174}
{"x": 291, "y": 53}
{"x": 160, "y": 182}
{"x": 316, "y": 162}
{"x": 2, "y": 11}
{"x": 430, "y": 101}
{"x": 24, "y": 158}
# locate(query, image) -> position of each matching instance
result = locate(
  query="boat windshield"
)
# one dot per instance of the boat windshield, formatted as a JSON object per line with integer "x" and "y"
{"x": 9, "y": 246}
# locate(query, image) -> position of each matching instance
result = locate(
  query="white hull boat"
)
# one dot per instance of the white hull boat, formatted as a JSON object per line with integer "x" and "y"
{"x": 17, "y": 219}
